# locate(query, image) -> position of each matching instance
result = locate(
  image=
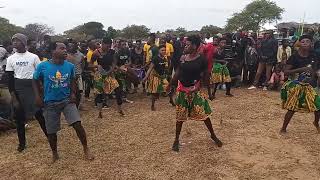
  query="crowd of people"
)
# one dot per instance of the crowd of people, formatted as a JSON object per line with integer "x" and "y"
{"x": 59, "y": 77}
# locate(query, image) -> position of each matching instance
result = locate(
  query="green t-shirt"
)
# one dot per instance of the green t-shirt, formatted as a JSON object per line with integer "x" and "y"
{"x": 154, "y": 51}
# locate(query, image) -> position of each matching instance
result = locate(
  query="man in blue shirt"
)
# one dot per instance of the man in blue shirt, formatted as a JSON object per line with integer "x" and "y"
{"x": 59, "y": 87}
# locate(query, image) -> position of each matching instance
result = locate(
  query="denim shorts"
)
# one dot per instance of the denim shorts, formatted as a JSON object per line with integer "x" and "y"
{"x": 52, "y": 114}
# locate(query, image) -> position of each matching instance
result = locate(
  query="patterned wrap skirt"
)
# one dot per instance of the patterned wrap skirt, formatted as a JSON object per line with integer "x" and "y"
{"x": 220, "y": 74}
{"x": 192, "y": 104}
{"x": 104, "y": 84}
{"x": 299, "y": 97}
{"x": 121, "y": 78}
{"x": 156, "y": 84}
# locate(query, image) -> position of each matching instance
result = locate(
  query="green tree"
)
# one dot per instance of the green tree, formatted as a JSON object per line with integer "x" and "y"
{"x": 86, "y": 31}
{"x": 135, "y": 32}
{"x": 95, "y": 29}
{"x": 169, "y": 31}
{"x": 112, "y": 33}
{"x": 211, "y": 29}
{"x": 7, "y": 30}
{"x": 255, "y": 15}
{"x": 36, "y": 31}
{"x": 180, "y": 30}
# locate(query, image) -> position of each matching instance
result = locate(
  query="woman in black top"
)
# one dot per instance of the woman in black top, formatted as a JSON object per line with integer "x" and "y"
{"x": 298, "y": 94}
{"x": 220, "y": 73}
{"x": 137, "y": 63}
{"x": 127, "y": 75}
{"x": 191, "y": 103}
{"x": 156, "y": 77}
{"x": 137, "y": 55}
{"x": 104, "y": 80}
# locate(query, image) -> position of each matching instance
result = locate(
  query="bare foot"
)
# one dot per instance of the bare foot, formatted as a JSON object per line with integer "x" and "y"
{"x": 21, "y": 148}
{"x": 121, "y": 112}
{"x": 88, "y": 155}
{"x": 317, "y": 126}
{"x": 217, "y": 141}
{"x": 100, "y": 115}
{"x": 55, "y": 157}
{"x": 175, "y": 146}
{"x": 283, "y": 131}
{"x": 153, "y": 108}
{"x": 213, "y": 96}
{"x": 172, "y": 103}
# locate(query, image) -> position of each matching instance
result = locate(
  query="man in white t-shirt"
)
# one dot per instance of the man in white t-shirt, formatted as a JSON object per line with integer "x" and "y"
{"x": 20, "y": 68}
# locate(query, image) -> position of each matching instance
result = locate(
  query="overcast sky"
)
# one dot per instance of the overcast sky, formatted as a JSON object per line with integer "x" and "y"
{"x": 155, "y": 14}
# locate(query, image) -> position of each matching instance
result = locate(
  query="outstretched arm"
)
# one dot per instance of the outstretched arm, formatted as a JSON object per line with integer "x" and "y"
{"x": 289, "y": 71}
{"x": 148, "y": 72}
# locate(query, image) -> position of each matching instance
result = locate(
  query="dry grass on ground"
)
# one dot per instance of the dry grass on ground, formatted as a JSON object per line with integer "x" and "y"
{"x": 138, "y": 146}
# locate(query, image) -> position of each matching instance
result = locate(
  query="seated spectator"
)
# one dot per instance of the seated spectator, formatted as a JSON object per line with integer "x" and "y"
{"x": 277, "y": 78}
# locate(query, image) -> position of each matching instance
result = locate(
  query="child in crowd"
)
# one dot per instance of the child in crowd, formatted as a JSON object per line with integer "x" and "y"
{"x": 277, "y": 78}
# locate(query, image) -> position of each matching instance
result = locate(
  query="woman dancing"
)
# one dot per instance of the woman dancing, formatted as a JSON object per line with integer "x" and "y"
{"x": 298, "y": 94}
{"x": 104, "y": 81}
{"x": 220, "y": 73}
{"x": 191, "y": 103}
{"x": 156, "y": 76}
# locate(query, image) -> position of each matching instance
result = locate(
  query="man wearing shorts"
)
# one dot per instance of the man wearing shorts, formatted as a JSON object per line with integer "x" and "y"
{"x": 59, "y": 89}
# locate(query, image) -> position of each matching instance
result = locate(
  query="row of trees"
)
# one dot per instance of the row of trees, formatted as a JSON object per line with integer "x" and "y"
{"x": 252, "y": 17}
{"x": 90, "y": 30}
{"x": 96, "y": 30}
{"x": 34, "y": 31}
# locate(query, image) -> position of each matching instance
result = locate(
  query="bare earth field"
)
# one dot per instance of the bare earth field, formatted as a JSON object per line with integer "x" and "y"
{"x": 138, "y": 146}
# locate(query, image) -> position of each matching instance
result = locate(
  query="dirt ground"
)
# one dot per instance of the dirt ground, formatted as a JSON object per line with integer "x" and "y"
{"x": 138, "y": 146}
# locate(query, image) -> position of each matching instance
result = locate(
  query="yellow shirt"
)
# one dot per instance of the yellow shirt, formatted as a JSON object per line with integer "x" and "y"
{"x": 146, "y": 49}
{"x": 89, "y": 57}
{"x": 169, "y": 49}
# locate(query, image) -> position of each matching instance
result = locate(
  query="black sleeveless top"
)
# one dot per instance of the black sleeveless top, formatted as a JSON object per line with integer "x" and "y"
{"x": 192, "y": 71}
{"x": 159, "y": 65}
{"x": 106, "y": 60}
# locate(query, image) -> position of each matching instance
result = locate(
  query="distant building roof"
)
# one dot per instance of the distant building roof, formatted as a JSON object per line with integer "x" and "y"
{"x": 290, "y": 25}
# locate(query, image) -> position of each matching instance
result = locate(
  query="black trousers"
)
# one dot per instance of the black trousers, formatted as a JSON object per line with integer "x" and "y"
{"x": 25, "y": 107}
{"x": 88, "y": 82}
{"x": 249, "y": 73}
{"x": 21, "y": 121}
